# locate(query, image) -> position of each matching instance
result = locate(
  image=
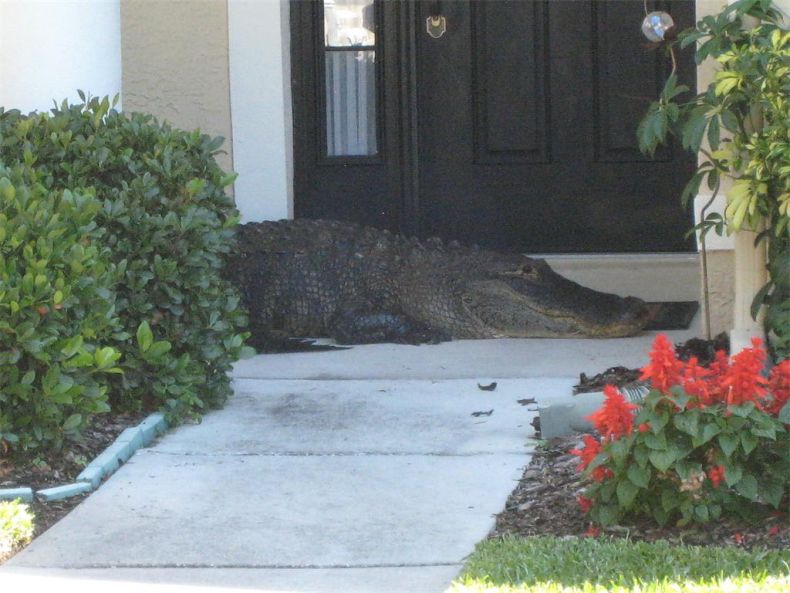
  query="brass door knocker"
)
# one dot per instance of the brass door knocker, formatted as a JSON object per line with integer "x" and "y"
{"x": 436, "y": 26}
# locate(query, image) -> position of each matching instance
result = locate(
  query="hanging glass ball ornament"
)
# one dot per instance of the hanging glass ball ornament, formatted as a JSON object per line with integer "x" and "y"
{"x": 656, "y": 24}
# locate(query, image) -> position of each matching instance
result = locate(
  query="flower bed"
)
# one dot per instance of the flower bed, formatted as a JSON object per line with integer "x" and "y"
{"x": 706, "y": 442}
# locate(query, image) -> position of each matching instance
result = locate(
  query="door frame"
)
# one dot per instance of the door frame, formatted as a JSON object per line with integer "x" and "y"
{"x": 306, "y": 70}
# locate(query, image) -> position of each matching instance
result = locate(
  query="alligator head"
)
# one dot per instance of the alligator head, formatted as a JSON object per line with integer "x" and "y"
{"x": 523, "y": 297}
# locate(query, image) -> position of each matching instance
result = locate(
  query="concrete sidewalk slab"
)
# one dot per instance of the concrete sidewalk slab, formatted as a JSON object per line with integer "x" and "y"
{"x": 343, "y": 417}
{"x": 460, "y": 359}
{"x": 361, "y": 471}
{"x": 410, "y": 579}
{"x": 282, "y": 512}
{"x": 316, "y": 476}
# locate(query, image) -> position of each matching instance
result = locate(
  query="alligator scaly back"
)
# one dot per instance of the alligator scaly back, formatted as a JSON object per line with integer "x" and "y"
{"x": 311, "y": 278}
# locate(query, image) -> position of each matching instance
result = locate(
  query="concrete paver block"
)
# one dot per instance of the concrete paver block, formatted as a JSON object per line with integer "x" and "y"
{"x": 152, "y": 426}
{"x": 65, "y": 491}
{"x": 25, "y": 494}
{"x": 132, "y": 435}
{"x": 92, "y": 474}
{"x": 106, "y": 462}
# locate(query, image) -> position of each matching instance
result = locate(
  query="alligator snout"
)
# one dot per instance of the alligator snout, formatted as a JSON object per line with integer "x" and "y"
{"x": 633, "y": 316}
{"x": 635, "y": 309}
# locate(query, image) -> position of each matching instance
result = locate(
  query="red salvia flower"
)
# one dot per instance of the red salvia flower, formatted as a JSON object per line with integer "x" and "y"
{"x": 744, "y": 381}
{"x": 696, "y": 383}
{"x": 779, "y": 386}
{"x": 716, "y": 475}
{"x": 721, "y": 362}
{"x": 592, "y": 531}
{"x": 644, "y": 427}
{"x": 601, "y": 473}
{"x": 585, "y": 504}
{"x": 592, "y": 447}
{"x": 664, "y": 369}
{"x": 615, "y": 417}
{"x": 718, "y": 371}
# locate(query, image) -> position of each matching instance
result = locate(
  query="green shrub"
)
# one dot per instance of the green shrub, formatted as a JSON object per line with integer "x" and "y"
{"x": 704, "y": 444}
{"x": 57, "y": 315}
{"x": 168, "y": 224}
{"x": 16, "y": 527}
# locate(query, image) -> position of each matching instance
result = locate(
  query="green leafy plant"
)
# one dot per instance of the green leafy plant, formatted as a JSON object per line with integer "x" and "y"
{"x": 16, "y": 527}
{"x": 744, "y": 117}
{"x": 57, "y": 304}
{"x": 705, "y": 442}
{"x": 168, "y": 224}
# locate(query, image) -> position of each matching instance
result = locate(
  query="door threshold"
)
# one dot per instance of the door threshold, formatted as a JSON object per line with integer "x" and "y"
{"x": 679, "y": 256}
{"x": 649, "y": 276}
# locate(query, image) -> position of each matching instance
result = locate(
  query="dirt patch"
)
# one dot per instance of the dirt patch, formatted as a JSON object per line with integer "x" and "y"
{"x": 55, "y": 468}
{"x": 545, "y": 503}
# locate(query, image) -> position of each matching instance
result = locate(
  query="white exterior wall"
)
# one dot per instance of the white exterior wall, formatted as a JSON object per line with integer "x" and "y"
{"x": 260, "y": 101}
{"x": 51, "y": 48}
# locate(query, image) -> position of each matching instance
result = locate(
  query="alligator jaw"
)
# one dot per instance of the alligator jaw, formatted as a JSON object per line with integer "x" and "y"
{"x": 507, "y": 312}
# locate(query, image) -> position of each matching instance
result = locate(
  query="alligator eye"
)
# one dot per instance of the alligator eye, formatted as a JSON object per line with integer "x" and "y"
{"x": 529, "y": 270}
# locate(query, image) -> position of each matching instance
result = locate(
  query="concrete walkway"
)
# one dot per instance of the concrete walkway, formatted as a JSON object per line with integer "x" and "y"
{"x": 363, "y": 470}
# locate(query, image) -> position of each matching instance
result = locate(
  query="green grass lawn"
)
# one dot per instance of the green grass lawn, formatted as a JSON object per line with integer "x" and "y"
{"x": 552, "y": 565}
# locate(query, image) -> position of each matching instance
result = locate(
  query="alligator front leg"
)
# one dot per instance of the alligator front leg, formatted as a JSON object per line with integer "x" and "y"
{"x": 354, "y": 327}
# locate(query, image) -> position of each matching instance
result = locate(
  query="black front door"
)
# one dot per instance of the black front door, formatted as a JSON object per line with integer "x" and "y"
{"x": 511, "y": 124}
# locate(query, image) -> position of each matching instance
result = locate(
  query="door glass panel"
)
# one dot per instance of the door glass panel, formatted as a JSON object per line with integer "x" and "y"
{"x": 349, "y": 23}
{"x": 350, "y": 71}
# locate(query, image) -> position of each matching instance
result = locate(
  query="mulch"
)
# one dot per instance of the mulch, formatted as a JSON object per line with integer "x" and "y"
{"x": 703, "y": 350}
{"x": 55, "y": 468}
{"x": 545, "y": 503}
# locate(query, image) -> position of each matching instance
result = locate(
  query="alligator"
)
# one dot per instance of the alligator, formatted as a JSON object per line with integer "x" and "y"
{"x": 309, "y": 278}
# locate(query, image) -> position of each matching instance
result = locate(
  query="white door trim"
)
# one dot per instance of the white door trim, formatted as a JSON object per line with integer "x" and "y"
{"x": 260, "y": 102}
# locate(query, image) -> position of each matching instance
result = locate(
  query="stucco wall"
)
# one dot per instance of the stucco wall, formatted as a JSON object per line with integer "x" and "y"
{"x": 721, "y": 284}
{"x": 175, "y": 64}
{"x": 49, "y": 49}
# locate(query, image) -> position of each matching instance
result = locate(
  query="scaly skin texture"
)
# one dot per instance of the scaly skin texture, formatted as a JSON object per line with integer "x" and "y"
{"x": 310, "y": 278}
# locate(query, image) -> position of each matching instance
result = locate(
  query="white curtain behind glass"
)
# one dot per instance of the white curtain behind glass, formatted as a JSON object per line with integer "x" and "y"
{"x": 351, "y": 102}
